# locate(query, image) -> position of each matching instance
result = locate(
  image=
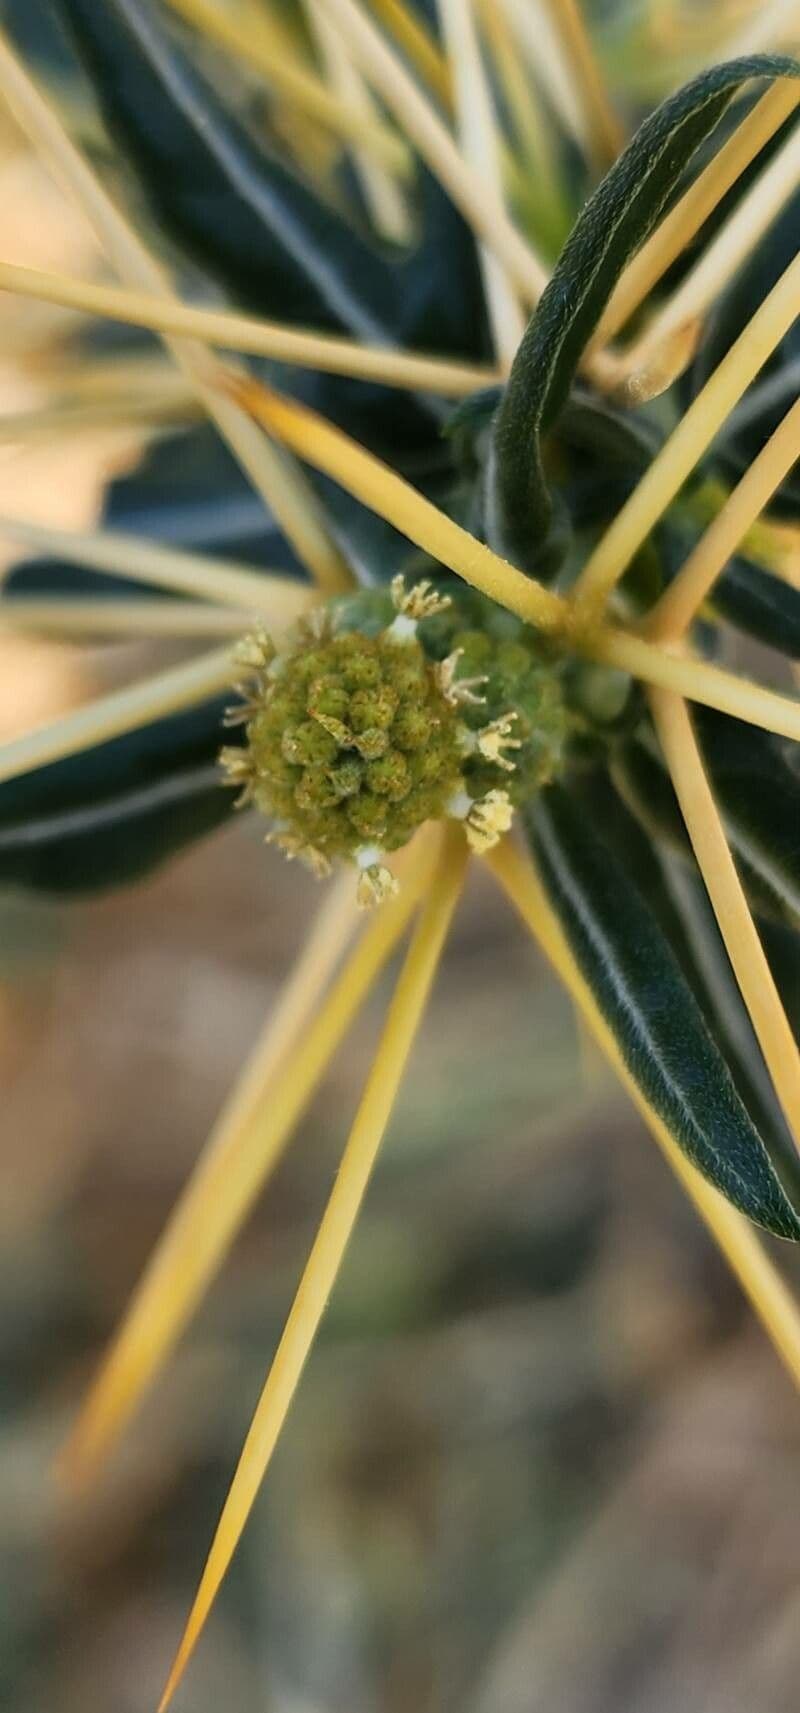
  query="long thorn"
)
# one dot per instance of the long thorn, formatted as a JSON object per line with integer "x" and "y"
{"x": 673, "y": 613}
{"x": 110, "y": 618}
{"x": 536, "y": 162}
{"x": 300, "y": 85}
{"x": 280, "y": 483}
{"x": 121, "y": 711}
{"x": 405, "y": 1014}
{"x": 415, "y": 113}
{"x": 690, "y": 439}
{"x": 278, "y": 1081}
{"x": 738, "y": 1240}
{"x": 730, "y": 906}
{"x": 541, "y": 46}
{"x": 720, "y": 261}
{"x": 364, "y": 476}
{"x": 384, "y": 197}
{"x": 603, "y": 130}
{"x": 416, "y": 42}
{"x": 223, "y": 580}
{"x": 334, "y": 355}
{"x": 479, "y": 137}
{"x": 696, "y": 679}
{"x": 360, "y": 473}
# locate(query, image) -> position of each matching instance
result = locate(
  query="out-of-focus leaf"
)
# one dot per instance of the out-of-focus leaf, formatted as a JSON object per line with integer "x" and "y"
{"x": 638, "y": 985}
{"x": 249, "y": 220}
{"x": 218, "y": 192}
{"x": 615, "y": 222}
{"x": 188, "y": 492}
{"x": 110, "y": 814}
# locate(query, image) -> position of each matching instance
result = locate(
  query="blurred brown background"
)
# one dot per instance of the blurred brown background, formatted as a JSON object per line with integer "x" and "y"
{"x": 540, "y": 1458}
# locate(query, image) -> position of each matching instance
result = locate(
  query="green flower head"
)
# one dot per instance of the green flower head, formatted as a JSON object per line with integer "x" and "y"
{"x": 384, "y": 712}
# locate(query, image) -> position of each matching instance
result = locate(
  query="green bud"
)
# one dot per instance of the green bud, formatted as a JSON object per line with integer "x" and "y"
{"x": 412, "y": 727}
{"x": 373, "y": 708}
{"x": 308, "y": 743}
{"x": 390, "y": 776}
{"x": 328, "y": 696}
{"x": 369, "y": 814}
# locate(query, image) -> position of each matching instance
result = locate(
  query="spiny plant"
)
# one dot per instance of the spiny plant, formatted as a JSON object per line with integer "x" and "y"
{"x": 508, "y": 473}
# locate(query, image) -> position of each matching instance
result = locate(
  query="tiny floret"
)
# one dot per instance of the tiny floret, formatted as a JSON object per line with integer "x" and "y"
{"x": 420, "y": 601}
{"x": 376, "y": 882}
{"x": 493, "y": 741}
{"x": 455, "y": 689}
{"x": 488, "y": 820}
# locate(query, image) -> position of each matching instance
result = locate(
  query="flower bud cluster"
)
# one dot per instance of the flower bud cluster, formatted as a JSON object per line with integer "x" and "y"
{"x": 382, "y": 713}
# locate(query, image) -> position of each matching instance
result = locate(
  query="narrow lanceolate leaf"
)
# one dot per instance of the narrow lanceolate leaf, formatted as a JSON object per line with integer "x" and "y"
{"x": 107, "y": 816}
{"x": 617, "y": 219}
{"x": 338, "y": 1220}
{"x": 644, "y": 998}
{"x": 760, "y": 1279}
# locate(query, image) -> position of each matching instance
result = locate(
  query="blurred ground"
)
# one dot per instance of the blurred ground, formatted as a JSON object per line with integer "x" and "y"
{"x": 540, "y": 1458}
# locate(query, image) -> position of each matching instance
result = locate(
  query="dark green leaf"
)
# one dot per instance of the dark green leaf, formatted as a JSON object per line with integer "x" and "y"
{"x": 600, "y": 453}
{"x": 644, "y": 784}
{"x": 659, "y": 1028}
{"x": 110, "y": 814}
{"x": 615, "y": 222}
